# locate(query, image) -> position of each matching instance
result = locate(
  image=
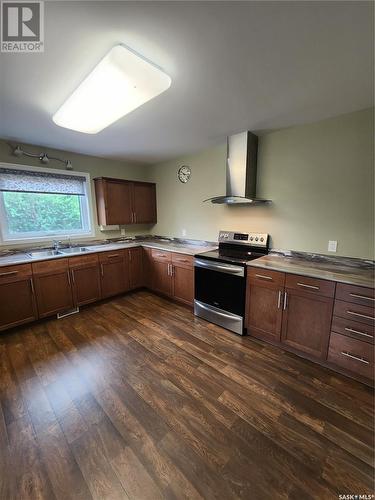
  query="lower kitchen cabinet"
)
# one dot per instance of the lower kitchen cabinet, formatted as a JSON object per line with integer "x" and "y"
{"x": 53, "y": 288}
{"x": 114, "y": 273}
{"x": 183, "y": 284}
{"x": 264, "y": 301}
{"x": 135, "y": 268}
{"x": 161, "y": 277}
{"x": 17, "y": 298}
{"x": 85, "y": 280}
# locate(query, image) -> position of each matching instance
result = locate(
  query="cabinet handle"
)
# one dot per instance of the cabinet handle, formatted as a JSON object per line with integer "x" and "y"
{"x": 101, "y": 270}
{"x": 348, "y": 355}
{"x": 361, "y": 296}
{"x": 172, "y": 272}
{"x": 285, "y": 301}
{"x": 9, "y": 273}
{"x": 32, "y": 286}
{"x": 135, "y": 217}
{"x": 263, "y": 277}
{"x": 113, "y": 255}
{"x": 279, "y": 300}
{"x": 73, "y": 278}
{"x": 130, "y": 256}
{"x": 360, "y": 315}
{"x": 309, "y": 286}
{"x": 68, "y": 273}
{"x": 358, "y": 332}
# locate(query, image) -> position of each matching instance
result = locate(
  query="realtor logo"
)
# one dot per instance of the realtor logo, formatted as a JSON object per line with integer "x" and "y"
{"x": 22, "y": 26}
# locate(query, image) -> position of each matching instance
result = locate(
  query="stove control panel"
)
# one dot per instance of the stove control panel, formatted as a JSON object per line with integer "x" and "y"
{"x": 250, "y": 239}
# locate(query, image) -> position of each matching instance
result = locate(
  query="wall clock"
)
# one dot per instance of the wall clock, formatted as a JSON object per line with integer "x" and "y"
{"x": 184, "y": 173}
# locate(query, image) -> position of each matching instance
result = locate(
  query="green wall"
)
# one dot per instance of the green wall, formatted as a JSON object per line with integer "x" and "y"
{"x": 96, "y": 167}
{"x": 320, "y": 177}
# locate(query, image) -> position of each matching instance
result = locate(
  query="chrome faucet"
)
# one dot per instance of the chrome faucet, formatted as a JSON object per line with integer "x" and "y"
{"x": 56, "y": 244}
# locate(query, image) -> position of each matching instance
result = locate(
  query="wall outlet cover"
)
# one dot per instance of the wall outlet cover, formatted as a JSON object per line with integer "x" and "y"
{"x": 123, "y": 232}
{"x": 184, "y": 232}
{"x": 332, "y": 246}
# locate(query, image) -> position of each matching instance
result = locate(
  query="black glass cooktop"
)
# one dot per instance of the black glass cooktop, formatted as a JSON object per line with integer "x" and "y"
{"x": 232, "y": 257}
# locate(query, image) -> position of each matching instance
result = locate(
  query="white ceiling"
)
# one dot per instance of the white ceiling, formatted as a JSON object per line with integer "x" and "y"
{"x": 234, "y": 66}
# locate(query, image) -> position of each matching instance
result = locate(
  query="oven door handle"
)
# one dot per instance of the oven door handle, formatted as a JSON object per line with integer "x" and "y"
{"x": 215, "y": 266}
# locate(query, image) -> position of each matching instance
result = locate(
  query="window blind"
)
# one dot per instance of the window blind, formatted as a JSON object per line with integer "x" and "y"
{"x": 27, "y": 181}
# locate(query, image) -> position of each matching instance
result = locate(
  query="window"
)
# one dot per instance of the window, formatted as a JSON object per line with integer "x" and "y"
{"x": 37, "y": 203}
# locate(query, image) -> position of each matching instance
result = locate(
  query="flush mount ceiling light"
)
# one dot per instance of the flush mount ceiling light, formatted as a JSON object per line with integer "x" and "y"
{"x": 120, "y": 83}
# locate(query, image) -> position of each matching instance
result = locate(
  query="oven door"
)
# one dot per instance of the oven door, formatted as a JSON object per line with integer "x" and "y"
{"x": 220, "y": 293}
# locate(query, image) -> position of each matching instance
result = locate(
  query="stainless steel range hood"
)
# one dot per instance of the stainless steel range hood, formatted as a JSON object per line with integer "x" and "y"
{"x": 242, "y": 152}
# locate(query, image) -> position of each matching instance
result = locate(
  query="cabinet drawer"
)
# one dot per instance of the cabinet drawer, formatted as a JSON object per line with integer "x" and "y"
{"x": 183, "y": 260}
{"x": 83, "y": 260}
{"x": 312, "y": 285}
{"x": 50, "y": 266}
{"x": 114, "y": 256}
{"x": 354, "y": 312}
{"x": 161, "y": 255}
{"x": 351, "y": 354}
{"x": 15, "y": 273}
{"x": 353, "y": 329}
{"x": 356, "y": 294}
{"x": 259, "y": 275}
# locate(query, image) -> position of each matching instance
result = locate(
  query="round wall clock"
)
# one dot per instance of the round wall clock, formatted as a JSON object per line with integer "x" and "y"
{"x": 184, "y": 173}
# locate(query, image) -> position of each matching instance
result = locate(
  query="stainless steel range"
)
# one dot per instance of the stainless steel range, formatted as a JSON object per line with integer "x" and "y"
{"x": 220, "y": 278}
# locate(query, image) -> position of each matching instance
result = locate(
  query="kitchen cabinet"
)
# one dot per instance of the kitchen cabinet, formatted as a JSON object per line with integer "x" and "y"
{"x": 144, "y": 202}
{"x": 17, "y": 298}
{"x": 85, "y": 279}
{"x": 182, "y": 270}
{"x": 265, "y": 292}
{"x": 135, "y": 268}
{"x": 114, "y": 272}
{"x": 121, "y": 202}
{"x": 147, "y": 267}
{"x": 52, "y": 283}
{"x": 307, "y": 315}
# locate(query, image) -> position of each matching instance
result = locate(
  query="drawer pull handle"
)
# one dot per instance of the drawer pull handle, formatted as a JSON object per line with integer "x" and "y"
{"x": 348, "y": 355}
{"x": 309, "y": 286}
{"x": 358, "y": 333}
{"x": 285, "y": 301}
{"x": 360, "y": 315}
{"x": 10, "y": 273}
{"x": 361, "y": 296}
{"x": 113, "y": 255}
{"x": 182, "y": 260}
{"x": 263, "y": 277}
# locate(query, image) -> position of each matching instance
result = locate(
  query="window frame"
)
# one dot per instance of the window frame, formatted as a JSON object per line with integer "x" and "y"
{"x": 85, "y": 202}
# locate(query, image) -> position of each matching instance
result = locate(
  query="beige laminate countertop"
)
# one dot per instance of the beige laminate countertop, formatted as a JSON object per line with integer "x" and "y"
{"x": 24, "y": 258}
{"x": 317, "y": 269}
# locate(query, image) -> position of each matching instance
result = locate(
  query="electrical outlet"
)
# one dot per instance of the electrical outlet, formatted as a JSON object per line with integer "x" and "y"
{"x": 122, "y": 231}
{"x": 184, "y": 232}
{"x": 332, "y": 246}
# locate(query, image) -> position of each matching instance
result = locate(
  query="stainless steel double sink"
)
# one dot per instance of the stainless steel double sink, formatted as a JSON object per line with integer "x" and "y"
{"x": 40, "y": 254}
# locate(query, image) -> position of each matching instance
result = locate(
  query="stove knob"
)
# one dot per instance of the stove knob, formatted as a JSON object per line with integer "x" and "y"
{"x": 256, "y": 239}
{"x": 251, "y": 238}
{"x": 262, "y": 239}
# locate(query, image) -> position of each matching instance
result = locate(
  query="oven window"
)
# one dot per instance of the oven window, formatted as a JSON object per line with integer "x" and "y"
{"x": 221, "y": 290}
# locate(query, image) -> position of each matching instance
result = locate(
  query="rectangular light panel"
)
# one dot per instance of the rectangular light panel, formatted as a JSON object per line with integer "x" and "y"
{"x": 120, "y": 83}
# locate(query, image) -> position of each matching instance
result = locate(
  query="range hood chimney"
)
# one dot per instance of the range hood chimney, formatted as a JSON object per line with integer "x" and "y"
{"x": 241, "y": 170}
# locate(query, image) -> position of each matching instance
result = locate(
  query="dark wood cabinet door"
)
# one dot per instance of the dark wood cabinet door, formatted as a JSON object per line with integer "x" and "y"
{"x": 183, "y": 284}
{"x": 135, "y": 268}
{"x": 114, "y": 201}
{"x": 144, "y": 203}
{"x": 114, "y": 278}
{"x": 307, "y": 322}
{"x": 86, "y": 284}
{"x": 147, "y": 267}
{"x": 264, "y": 311}
{"x": 161, "y": 277}
{"x": 118, "y": 202}
{"x": 53, "y": 293}
{"x": 17, "y": 303}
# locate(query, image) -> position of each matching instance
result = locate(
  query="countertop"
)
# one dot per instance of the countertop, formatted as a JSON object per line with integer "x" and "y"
{"x": 328, "y": 270}
{"x": 24, "y": 258}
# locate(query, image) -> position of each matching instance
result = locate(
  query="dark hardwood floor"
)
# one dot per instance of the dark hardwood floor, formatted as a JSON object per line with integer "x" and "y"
{"x": 136, "y": 398}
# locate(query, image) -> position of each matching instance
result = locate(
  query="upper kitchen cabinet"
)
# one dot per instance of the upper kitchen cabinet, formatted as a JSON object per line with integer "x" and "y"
{"x": 121, "y": 202}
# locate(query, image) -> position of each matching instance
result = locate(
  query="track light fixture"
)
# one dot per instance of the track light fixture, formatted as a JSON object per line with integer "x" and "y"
{"x": 43, "y": 157}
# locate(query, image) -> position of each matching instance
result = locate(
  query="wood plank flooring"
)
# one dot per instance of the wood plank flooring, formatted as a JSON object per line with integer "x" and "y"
{"x": 135, "y": 398}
